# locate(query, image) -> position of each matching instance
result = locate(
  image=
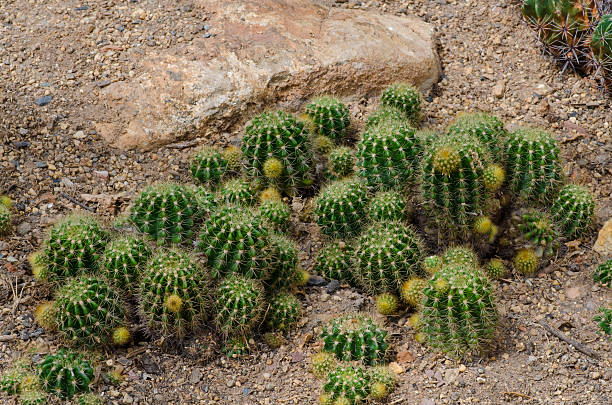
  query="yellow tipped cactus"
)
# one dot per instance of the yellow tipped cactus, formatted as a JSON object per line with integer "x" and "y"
{"x": 482, "y": 225}
{"x": 412, "y": 291}
{"x": 121, "y": 336}
{"x": 269, "y": 194}
{"x": 45, "y": 315}
{"x": 526, "y": 262}
{"x": 494, "y": 177}
{"x": 322, "y": 363}
{"x": 273, "y": 168}
{"x": 446, "y": 160}
{"x": 387, "y": 304}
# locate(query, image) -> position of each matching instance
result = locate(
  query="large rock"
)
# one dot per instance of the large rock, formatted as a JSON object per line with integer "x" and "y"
{"x": 603, "y": 244}
{"x": 265, "y": 53}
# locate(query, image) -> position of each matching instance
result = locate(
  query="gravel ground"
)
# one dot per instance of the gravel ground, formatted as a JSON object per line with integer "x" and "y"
{"x": 51, "y": 158}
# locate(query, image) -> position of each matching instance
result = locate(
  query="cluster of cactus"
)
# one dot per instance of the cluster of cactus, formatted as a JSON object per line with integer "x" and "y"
{"x": 124, "y": 259}
{"x": 487, "y": 128}
{"x": 66, "y": 374}
{"x": 573, "y": 210}
{"x": 239, "y": 305}
{"x": 330, "y": 117}
{"x": 20, "y": 379}
{"x": 5, "y": 214}
{"x": 209, "y": 166}
{"x": 340, "y": 207}
{"x": 603, "y": 273}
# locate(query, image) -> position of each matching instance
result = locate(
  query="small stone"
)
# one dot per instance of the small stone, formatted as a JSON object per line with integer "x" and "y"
{"x": 230, "y": 383}
{"x": 462, "y": 368}
{"x": 595, "y": 375}
{"x": 41, "y": 165}
{"x": 266, "y": 375}
{"x": 542, "y": 89}
{"x": 24, "y": 228}
{"x": 21, "y": 144}
{"x": 572, "y": 293}
{"x": 316, "y": 281}
{"x": 603, "y": 244}
{"x": 79, "y": 135}
{"x": 43, "y": 101}
{"x": 333, "y": 286}
{"x": 196, "y": 376}
{"x": 67, "y": 182}
{"x": 499, "y": 89}
{"x": 396, "y": 368}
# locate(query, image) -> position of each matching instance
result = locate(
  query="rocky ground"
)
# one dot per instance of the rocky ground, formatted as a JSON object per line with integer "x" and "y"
{"x": 55, "y": 56}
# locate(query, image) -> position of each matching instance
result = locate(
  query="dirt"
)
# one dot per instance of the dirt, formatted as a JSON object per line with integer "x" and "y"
{"x": 52, "y": 158}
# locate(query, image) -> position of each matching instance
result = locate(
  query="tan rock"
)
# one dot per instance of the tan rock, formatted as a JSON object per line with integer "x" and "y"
{"x": 265, "y": 54}
{"x": 603, "y": 244}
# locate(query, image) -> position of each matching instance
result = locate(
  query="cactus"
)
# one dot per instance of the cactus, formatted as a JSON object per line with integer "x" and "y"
{"x": 384, "y": 114}
{"x": 238, "y": 305}
{"x": 322, "y": 364}
{"x": 601, "y": 48}
{"x": 172, "y": 293}
{"x": 494, "y": 177}
{"x": 65, "y": 374}
{"x": 209, "y": 166}
{"x": 533, "y": 165}
{"x": 301, "y": 278}
{"x": 278, "y": 136}
{"x": 603, "y": 273}
{"x": 355, "y": 337}
{"x": 605, "y": 320}
{"x": 88, "y": 310}
{"x": 349, "y": 384}
{"x": 274, "y": 340}
{"x": 404, "y": 97}
{"x": 540, "y": 232}
{"x": 387, "y": 155}
{"x": 5, "y": 214}
{"x": 431, "y": 264}
{"x": 340, "y": 207}
{"x": 12, "y": 378}
{"x": 385, "y": 255}
{"x": 412, "y": 291}
{"x": 495, "y": 269}
{"x": 334, "y": 262}
{"x": 233, "y": 158}
{"x": 482, "y": 225}
{"x": 382, "y": 382}
{"x": 459, "y": 314}
{"x": 573, "y": 210}
{"x": 74, "y": 245}
{"x": 460, "y": 255}
{"x": 276, "y": 212}
{"x": 388, "y": 206}
{"x": 453, "y": 185}
{"x": 167, "y": 212}
{"x": 387, "y": 304}
{"x": 234, "y": 240}
{"x": 33, "y": 397}
{"x": 121, "y": 336}
{"x": 330, "y": 117}
{"x": 269, "y": 194}
{"x": 45, "y": 315}
{"x": 90, "y": 399}
{"x": 487, "y": 128}
{"x": 341, "y": 162}
{"x": 123, "y": 261}
{"x": 284, "y": 263}
{"x": 284, "y": 311}
{"x": 526, "y": 262}
{"x": 237, "y": 191}
{"x": 236, "y": 347}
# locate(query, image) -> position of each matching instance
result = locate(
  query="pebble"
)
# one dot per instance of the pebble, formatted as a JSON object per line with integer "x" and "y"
{"x": 43, "y": 101}
{"x": 333, "y": 286}
{"x": 24, "y": 228}
{"x": 79, "y": 135}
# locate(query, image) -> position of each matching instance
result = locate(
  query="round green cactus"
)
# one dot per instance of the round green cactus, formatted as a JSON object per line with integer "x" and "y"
{"x": 384, "y": 114}
{"x": 387, "y": 304}
{"x": 459, "y": 313}
{"x": 172, "y": 293}
{"x": 167, "y": 212}
{"x": 284, "y": 263}
{"x": 340, "y": 207}
{"x": 412, "y": 291}
{"x": 12, "y": 377}
{"x": 5, "y": 214}
{"x": 234, "y": 240}
{"x": 88, "y": 310}
{"x": 209, "y": 166}
{"x": 495, "y": 269}
{"x": 526, "y": 262}
{"x": 349, "y": 384}
{"x": 404, "y": 97}
{"x": 540, "y": 232}
{"x": 601, "y": 48}
{"x": 233, "y": 156}
{"x": 65, "y": 374}
{"x": 237, "y": 191}
{"x": 90, "y": 399}
{"x": 533, "y": 165}
{"x": 386, "y": 254}
{"x": 603, "y": 273}
{"x": 236, "y": 347}
{"x": 74, "y": 245}
{"x": 387, "y": 155}
{"x": 355, "y": 337}
{"x": 33, "y": 397}
{"x": 573, "y": 210}
{"x": 330, "y": 116}
{"x": 487, "y": 128}
{"x": 123, "y": 261}
{"x": 323, "y": 144}
{"x": 460, "y": 255}
{"x": 431, "y": 264}
{"x": 45, "y": 315}
{"x": 334, "y": 261}
{"x": 284, "y": 311}
{"x": 322, "y": 364}
{"x": 382, "y": 382}
{"x": 388, "y": 206}
{"x": 276, "y": 212}
{"x": 341, "y": 162}
{"x": 278, "y": 135}
{"x": 494, "y": 177}
{"x": 238, "y": 305}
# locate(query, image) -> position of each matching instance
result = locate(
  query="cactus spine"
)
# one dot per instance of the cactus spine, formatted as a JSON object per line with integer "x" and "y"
{"x": 237, "y": 191}
{"x": 387, "y": 304}
{"x": 405, "y": 98}
{"x": 526, "y": 262}
{"x": 209, "y": 166}
{"x": 487, "y": 128}
{"x": 330, "y": 116}
{"x": 573, "y": 210}
{"x": 276, "y": 212}
{"x": 322, "y": 364}
{"x": 340, "y": 207}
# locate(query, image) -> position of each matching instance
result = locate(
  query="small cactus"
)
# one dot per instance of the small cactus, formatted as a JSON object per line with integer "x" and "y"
{"x": 273, "y": 340}
{"x": 90, "y": 399}
{"x": 539, "y": 231}
{"x": 388, "y": 206}
{"x": 238, "y": 305}
{"x": 349, "y": 384}
{"x": 233, "y": 157}
{"x": 33, "y": 397}
{"x": 208, "y": 166}
{"x": 236, "y": 347}
{"x": 384, "y": 114}
{"x": 482, "y": 225}
{"x": 526, "y": 262}
{"x": 605, "y": 320}
{"x": 65, "y": 374}
{"x": 603, "y": 273}
{"x": 382, "y": 382}
{"x": 387, "y": 304}
{"x": 459, "y": 314}
{"x": 340, "y": 207}
{"x": 330, "y": 116}
{"x": 123, "y": 261}
{"x": 269, "y": 194}
{"x": 601, "y": 49}
{"x": 431, "y": 264}
{"x": 284, "y": 263}
{"x": 495, "y": 269}
{"x": 12, "y": 377}
{"x": 412, "y": 291}
{"x": 341, "y": 162}
{"x": 172, "y": 294}
{"x": 334, "y": 262}
{"x": 322, "y": 144}
{"x": 404, "y": 97}
{"x": 573, "y": 210}
{"x": 494, "y": 177}
{"x": 276, "y": 212}
{"x": 121, "y": 336}
{"x": 237, "y": 191}
{"x": 322, "y": 364}
{"x": 284, "y": 311}
{"x": 460, "y": 255}
{"x": 355, "y": 337}
{"x": 45, "y": 315}
{"x": 5, "y": 214}
{"x": 487, "y": 128}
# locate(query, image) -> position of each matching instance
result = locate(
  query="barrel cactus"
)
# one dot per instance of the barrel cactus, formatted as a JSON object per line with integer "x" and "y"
{"x": 233, "y": 156}
{"x": 494, "y": 177}
{"x": 279, "y": 136}
{"x": 355, "y": 337}
{"x": 603, "y": 273}
{"x": 431, "y": 264}
{"x": 33, "y": 397}
{"x": 209, "y": 166}
{"x": 460, "y": 255}
{"x": 65, "y": 374}
{"x": 386, "y": 255}
{"x": 322, "y": 364}
{"x": 601, "y": 48}
{"x": 382, "y": 382}
{"x": 539, "y": 231}
{"x": 124, "y": 259}
{"x": 459, "y": 314}
{"x": 11, "y": 379}
{"x": 330, "y": 116}
{"x": 268, "y": 194}
{"x": 412, "y": 291}
{"x": 573, "y": 210}
{"x": 388, "y": 206}
{"x": 340, "y": 207}
{"x": 276, "y": 212}
{"x": 347, "y": 385}
{"x": 5, "y": 214}
{"x": 45, "y": 315}
{"x": 387, "y": 304}
{"x": 172, "y": 291}
{"x": 239, "y": 305}
{"x": 487, "y": 128}
{"x": 405, "y": 98}
{"x": 284, "y": 263}
{"x": 384, "y": 114}
{"x": 495, "y": 269}
{"x": 341, "y": 162}
{"x": 334, "y": 261}
{"x": 90, "y": 399}
{"x": 526, "y": 262}
{"x": 284, "y": 311}
{"x": 237, "y": 191}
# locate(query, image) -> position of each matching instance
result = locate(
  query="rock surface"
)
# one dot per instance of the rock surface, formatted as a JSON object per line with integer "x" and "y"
{"x": 265, "y": 53}
{"x": 603, "y": 244}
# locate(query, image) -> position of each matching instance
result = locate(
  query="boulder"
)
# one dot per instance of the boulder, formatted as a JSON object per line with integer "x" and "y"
{"x": 603, "y": 244}
{"x": 263, "y": 54}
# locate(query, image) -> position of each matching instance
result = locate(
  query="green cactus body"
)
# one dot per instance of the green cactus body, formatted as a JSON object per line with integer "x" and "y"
{"x": 284, "y": 311}
{"x": 167, "y": 212}
{"x": 276, "y": 212}
{"x": 236, "y": 347}
{"x": 173, "y": 299}
{"x": 603, "y": 273}
{"x": 237, "y": 191}
{"x": 384, "y": 114}
{"x": 382, "y": 382}
{"x": 235, "y": 240}
{"x": 533, "y": 165}
{"x": 387, "y": 304}
{"x": 541, "y": 233}
{"x": 90, "y": 399}
{"x": 431, "y": 264}
{"x": 355, "y": 337}
{"x": 330, "y": 116}
{"x": 88, "y": 309}
{"x": 205, "y": 201}
{"x": 349, "y": 383}
{"x": 340, "y": 207}
{"x": 341, "y": 162}
{"x": 487, "y": 128}
{"x": 278, "y": 135}
{"x": 123, "y": 261}
{"x": 208, "y": 166}
{"x": 453, "y": 183}
{"x": 601, "y": 48}
{"x": 387, "y": 155}
{"x": 33, "y": 397}
{"x": 238, "y": 305}
{"x": 573, "y": 210}
{"x": 65, "y": 374}
{"x": 388, "y": 206}
{"x": 386, "y": 254}
{"x": 334, "y": 262}
{"x": 322, "y": 364}
{"x": 605, "y": 320}
{"x": 405, "y": 98}
{"x": 5, "y": 218}
{"x": 322, "y": 144}
{"x": 460, "y": 255}
{"x": 459, "y": 314}
{"x": 74, "y": 245}
{"x": 12, "y": 378}
{"x": 526, "y": 262}
{"x": 495, "y": 269}
{"x": 233, "y": 156}
{"x": 284, "y": 263}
